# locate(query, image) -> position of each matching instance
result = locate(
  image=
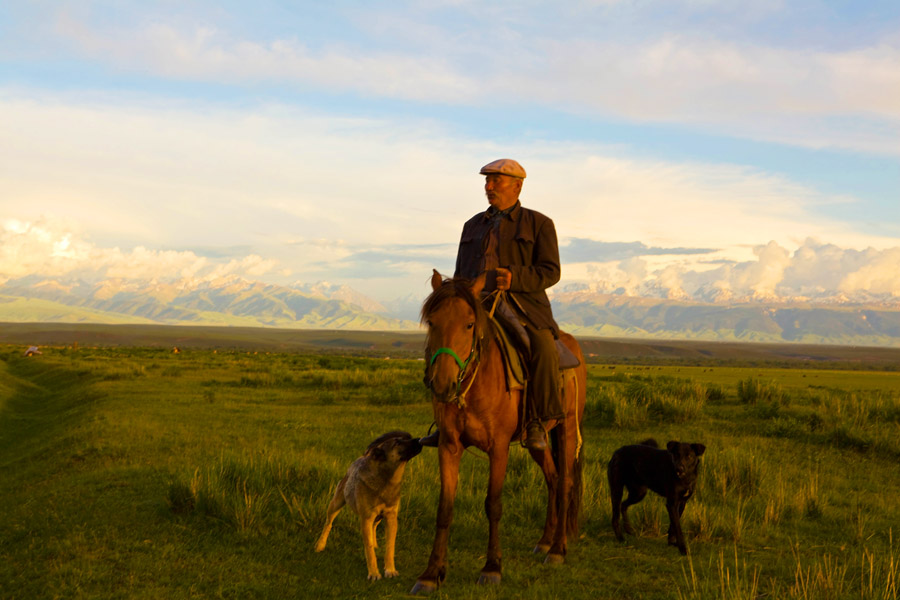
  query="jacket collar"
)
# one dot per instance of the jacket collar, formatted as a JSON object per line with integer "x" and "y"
{"x": 511, "y": 213}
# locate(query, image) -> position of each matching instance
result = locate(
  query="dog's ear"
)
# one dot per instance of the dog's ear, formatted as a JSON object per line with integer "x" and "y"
{"x": 699, "y": 449}
{"x": 673, "y": 446}
{"x": 377, "y": 453}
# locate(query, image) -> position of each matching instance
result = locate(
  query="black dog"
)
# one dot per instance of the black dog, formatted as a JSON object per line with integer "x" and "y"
{"x": 671, "y": 473}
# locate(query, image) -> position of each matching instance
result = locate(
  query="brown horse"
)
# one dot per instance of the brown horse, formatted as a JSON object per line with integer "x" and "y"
{"x": 473, "y": 406}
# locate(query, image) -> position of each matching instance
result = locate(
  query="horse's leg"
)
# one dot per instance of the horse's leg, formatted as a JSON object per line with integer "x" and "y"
{"x": 449, "y": 456}
{"x": 493, "y": 506}
{"x": 564, "y": 458}
{"x": 544, "y": 459}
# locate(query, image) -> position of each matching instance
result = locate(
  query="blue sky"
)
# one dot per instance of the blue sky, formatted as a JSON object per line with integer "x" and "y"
{"x": 681, "y": 146}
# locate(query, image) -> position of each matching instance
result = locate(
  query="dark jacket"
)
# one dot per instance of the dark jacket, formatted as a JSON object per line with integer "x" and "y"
{"x": 528, "y": 248}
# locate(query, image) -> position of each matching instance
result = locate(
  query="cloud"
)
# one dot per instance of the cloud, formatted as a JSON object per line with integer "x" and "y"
{"x": 813, "y": 96}
{"x": 364, "y": 198}
{"x": 710, "y": 79}
{"x": 814, "y": 271}
{"x": 576, "y": 250}
{"x": 205, "y": 53}
{"x": 49, "y": 248}
{"x": 392, "y": 261}
{"x": 176, "y": 175}
{"x": 593, "y": 194}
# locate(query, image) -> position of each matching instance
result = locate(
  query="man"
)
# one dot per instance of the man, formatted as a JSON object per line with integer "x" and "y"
{"x": 518, "y": 250}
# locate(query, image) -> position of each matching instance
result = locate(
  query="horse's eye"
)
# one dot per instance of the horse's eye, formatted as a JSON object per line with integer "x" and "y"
{"x": 470, "y": 325}
{"x": 428, "y": 322}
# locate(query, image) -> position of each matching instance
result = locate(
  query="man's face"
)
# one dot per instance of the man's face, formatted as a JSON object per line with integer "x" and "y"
{"x": 502, "y": 190}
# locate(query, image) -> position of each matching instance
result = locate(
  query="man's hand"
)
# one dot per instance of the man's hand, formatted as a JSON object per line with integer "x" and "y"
{"x": 504, "y": 279}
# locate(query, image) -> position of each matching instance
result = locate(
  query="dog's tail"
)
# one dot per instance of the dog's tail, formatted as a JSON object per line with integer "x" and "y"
{"x": 649, "y": 442}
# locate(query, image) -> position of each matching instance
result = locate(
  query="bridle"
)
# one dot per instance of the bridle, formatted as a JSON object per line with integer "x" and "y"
{"x": 472, "y": 360}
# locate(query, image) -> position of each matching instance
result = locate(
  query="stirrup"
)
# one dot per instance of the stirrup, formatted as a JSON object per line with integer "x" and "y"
{"x": 535, "y": 437}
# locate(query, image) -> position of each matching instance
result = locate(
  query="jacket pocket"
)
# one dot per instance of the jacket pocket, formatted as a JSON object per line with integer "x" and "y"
{"x": 524, "y": 248}
{"x": 525, "y": 237}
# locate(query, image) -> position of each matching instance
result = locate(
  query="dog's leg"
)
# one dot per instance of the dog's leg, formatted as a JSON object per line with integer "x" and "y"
{"x": 615, "y": 495}
{"x": 367, "y": 528}
{"x": 334, "y": 507}
{"x": 375, "y": 524}
{"x": 635, "y": 495}
{"x": 390, "y": 539}
{"x": 673, "y": 535}
{"x": 672, "y": 504}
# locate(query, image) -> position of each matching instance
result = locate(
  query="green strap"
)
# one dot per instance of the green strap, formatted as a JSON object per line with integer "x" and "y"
{"x": 459, "y": 362}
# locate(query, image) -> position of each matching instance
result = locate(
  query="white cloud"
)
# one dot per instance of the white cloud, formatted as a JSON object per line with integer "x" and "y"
{"x": 591, "y": 193}
{"x": 311, "y": 191}
{"x": 52, "y": 248}
{"x": 177, "y": 176}
{"x": 208, "y": 54}
{"x": 813, "y": 271}
{"x": 879, "y": 275}
{"x": 807, "y": 96}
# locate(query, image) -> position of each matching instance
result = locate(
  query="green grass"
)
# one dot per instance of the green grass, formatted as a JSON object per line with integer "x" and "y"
{"x": 138, "y": 473}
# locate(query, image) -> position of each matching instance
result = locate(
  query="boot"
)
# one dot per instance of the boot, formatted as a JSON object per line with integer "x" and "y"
{"x": 535, "y": 437}
{"x": 431, "y": 440}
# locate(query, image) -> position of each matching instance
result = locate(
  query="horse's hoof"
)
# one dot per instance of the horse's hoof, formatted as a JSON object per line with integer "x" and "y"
{"x": 541, "y": 549}
{"x": 554, "y": 559}
{"x": 492, "y": 578}
{"x": 424, "y": 588}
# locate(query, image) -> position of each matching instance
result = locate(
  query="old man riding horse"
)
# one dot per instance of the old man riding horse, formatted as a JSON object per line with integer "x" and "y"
{"x": 475, "y": 406}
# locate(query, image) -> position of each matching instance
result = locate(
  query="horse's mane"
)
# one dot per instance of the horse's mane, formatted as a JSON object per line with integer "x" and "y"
{"x": 460, "y": 287}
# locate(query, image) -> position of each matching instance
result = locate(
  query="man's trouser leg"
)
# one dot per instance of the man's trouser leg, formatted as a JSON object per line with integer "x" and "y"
{"x": 543, "y": 387}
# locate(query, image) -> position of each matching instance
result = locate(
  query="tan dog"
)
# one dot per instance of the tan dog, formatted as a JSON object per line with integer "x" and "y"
{"x": 371, "y": 488}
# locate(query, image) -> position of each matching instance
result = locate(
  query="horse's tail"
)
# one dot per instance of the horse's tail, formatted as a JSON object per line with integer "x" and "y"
{"x": 573, "y": 510}
{"x": 573, "y": 513}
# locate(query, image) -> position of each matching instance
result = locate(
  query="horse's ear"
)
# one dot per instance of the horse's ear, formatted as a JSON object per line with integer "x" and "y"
{"x": 478, "y": 284}
{"x": 436, "y": 280}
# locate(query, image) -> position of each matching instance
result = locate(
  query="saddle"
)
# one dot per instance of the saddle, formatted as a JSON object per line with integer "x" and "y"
{"x": 515, "y": 347}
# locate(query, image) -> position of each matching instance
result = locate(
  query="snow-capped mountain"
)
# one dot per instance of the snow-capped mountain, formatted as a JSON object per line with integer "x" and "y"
{"x": 579, "y": 309}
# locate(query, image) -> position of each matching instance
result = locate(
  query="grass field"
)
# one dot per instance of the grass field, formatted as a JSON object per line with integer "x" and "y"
{"x": 132, "y": 472}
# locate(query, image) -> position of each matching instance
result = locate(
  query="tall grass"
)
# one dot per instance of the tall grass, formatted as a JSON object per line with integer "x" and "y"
{"x": 863, "y": 421}
{"x": 730, "y": 580}
{"x": 631, "y": 402}
{"x": 756, "y": 391}
{"x": 863, "y": 575}
{"x": 139, "y": 473}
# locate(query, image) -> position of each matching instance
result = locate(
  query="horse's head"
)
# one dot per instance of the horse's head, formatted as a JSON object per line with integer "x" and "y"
{"x": 456, "y": 324}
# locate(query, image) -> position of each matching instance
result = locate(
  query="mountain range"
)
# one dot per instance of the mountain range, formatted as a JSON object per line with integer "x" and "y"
{"x": 233, "y": 301}
{"x": 230, "y": 301}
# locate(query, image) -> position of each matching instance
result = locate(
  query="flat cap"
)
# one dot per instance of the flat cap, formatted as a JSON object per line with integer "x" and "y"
{"x": 504, "y": 166}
